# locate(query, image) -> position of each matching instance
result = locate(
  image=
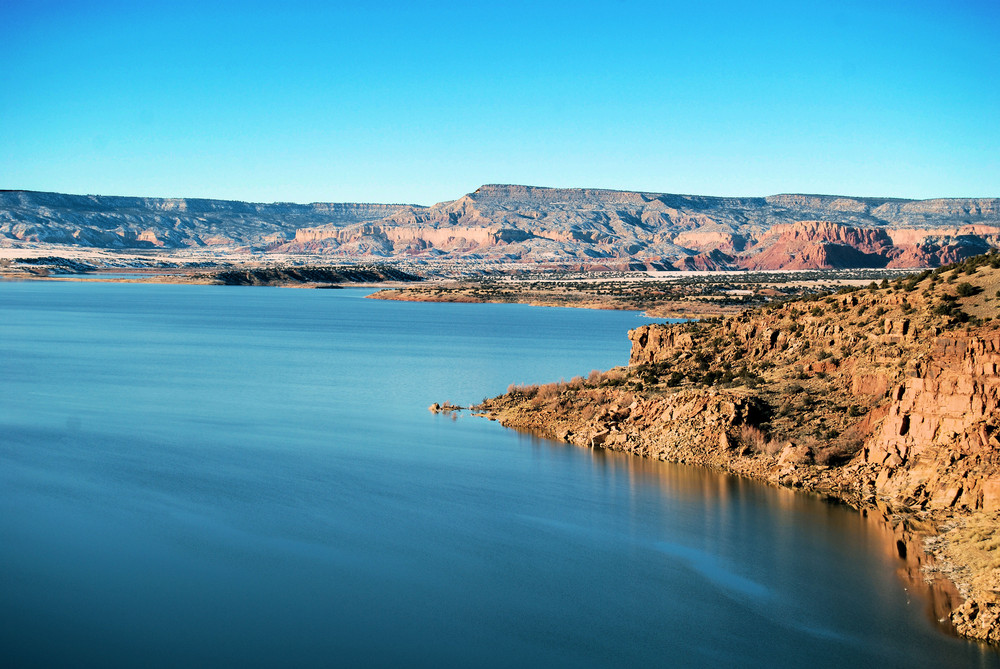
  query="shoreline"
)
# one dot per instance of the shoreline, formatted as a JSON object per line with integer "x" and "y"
{"x": 907, "y": 536}
{"x": 321, "y": 277}
{"x": 666, "y": 309}
{"x": 882, "y": 398}
{"x": 918, "y": 538}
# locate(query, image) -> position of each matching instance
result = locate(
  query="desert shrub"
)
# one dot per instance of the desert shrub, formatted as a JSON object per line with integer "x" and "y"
{"x": 756, "y": 440}
{"x": 525, "y": 391}
{"x": 966, "y": 289}
{"x": 597, "y": 396}
{"x": 548, "y": 391}
{"x": 836, "y": 452}
{"x": 943, "y": 309}
{"x": 613, "y": 378}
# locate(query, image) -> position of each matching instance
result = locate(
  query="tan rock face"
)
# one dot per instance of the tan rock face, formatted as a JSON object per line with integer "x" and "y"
{"x": 938, "y": 446}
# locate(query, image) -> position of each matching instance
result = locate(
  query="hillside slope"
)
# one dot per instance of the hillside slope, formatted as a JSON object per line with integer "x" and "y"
{"x": 881, "y": 397}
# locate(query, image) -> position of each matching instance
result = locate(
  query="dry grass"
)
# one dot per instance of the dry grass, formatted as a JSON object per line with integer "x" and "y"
{"x": 527, "y": 391}
{"x": 757, "y": 440}
{"x": 976, "y": 543}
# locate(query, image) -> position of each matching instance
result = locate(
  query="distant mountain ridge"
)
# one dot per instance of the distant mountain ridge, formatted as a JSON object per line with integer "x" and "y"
{"x": 107, "y": 221}
{"x": 577, "y": 227}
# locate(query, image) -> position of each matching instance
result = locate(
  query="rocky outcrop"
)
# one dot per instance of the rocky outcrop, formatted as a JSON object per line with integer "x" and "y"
{"x": 882, "y": 397}
{"x": 821, "y": 244}
{"x": 939, "y": 445}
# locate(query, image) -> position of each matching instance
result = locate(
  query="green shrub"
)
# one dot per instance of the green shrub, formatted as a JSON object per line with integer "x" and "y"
{"x": 966, "y": 289}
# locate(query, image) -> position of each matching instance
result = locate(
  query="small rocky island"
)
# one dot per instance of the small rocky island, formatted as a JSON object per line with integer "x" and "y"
{"x": 884, "y": 397}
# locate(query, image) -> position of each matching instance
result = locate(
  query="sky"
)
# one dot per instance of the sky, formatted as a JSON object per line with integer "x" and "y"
{"x": 423, "y": 102}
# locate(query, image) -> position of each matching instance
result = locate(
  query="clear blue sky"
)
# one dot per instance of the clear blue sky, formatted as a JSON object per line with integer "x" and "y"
{"x": 423, "y": 102}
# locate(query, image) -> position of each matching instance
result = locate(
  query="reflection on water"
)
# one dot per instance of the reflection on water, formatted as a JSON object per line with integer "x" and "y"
{"x": 905, "y": 544}
{"x": 877, "y": 530}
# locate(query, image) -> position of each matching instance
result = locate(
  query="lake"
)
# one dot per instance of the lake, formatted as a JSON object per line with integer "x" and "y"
{"x": 200, "y": 475}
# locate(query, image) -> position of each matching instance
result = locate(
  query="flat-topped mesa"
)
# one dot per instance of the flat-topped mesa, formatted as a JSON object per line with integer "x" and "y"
{"x": 512, "y": 195}
{"x": 171, "y": 223}
{"x": 552, "y": 226}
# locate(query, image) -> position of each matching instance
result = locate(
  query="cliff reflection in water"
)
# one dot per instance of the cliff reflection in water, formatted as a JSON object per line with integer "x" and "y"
{"x": 727, "y": 504}
{"x": 904, "y": 541}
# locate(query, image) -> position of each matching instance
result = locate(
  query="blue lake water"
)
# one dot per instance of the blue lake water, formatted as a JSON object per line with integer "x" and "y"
{"x": 195, "y": 475}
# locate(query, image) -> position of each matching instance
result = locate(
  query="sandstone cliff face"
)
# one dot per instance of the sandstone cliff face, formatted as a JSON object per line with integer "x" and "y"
{"x": 934, "y": 442}
{"x": 822, "y": 244}
{"x": 938, "y": 446}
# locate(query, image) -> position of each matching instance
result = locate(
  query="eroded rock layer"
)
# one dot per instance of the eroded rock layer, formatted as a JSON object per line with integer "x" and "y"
{"x": 589, "y": 228}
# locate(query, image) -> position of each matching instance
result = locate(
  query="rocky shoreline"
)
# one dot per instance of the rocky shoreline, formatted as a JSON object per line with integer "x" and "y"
{"x": 884, "y": 398}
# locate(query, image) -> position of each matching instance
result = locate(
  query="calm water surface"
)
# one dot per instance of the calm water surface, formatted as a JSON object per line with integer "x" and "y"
{"x": 196, "y": 475}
